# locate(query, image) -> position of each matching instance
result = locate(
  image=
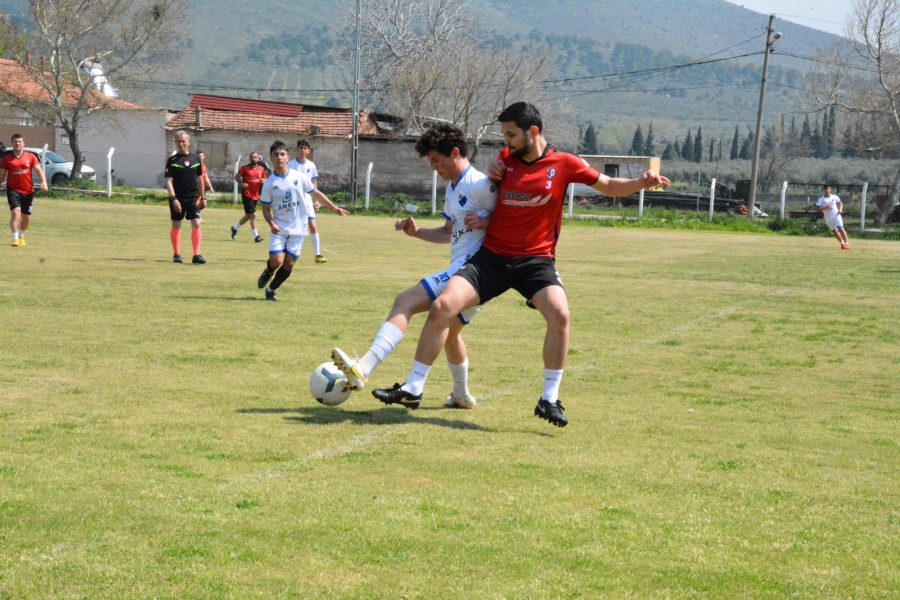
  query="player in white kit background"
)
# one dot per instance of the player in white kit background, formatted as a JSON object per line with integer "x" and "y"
{"x": 832, "y": 208}
{"x": 468, "y": 191}
{"x": 284, "y": 198}
{"x": 308, "y": 168}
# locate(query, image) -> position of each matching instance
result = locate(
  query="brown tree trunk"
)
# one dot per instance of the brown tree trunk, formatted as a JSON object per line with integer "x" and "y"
{"x": 893, "y": 200}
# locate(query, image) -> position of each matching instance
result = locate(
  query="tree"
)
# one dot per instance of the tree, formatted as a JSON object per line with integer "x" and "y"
{"x": 735, "y": 143}
{"x": 712, "y": 149}
{"x": 649, "y": 150}
{"x": 806, "y": 137}
{"x": 669, "y": 153}
{"x": 637, "y": 142}
{"x": 130, "y": 39}
{"x": 698, "y": 146}
{"x": 589, "y": 144}
{"x": 687, "y": 148}
{"x": 745, "y": 147}
{"x": 425, "y": 61}
{"x": 860, "y": 77}
{"x": 815, "y": 141}
{"x": 776, "y": 153}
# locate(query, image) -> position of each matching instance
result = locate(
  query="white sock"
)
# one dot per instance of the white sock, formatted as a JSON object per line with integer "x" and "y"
{"x": 237, "y": 226}
{"x": 552, "y": 379}
{"x": 387, "y": 338}
{"x": 460, "y": 374}
{"x": 415, "y": 383}
{"x": 255, "y": 233}
{"x": 315, "y": 241}
{"x": 15, "y": 236}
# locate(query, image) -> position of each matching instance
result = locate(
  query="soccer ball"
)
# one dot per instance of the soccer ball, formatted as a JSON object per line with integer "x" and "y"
{"x": 328, "y": 385}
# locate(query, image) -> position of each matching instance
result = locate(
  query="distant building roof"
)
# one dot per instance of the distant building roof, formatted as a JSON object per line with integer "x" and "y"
{"x": 15, "y": 81}
{"x": 234, "y": 114}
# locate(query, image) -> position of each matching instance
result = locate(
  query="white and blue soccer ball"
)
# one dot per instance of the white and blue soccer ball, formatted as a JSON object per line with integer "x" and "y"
{"x": 328, "y": 385}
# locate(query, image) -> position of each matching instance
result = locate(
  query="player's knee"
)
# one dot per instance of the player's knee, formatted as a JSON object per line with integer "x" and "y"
{"x": 442, "y": 309}
{"x": 557, "y": 316}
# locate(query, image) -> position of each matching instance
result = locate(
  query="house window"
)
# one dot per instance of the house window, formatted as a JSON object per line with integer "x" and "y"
{"x": 216, "y": 154}
{"x": 611, "y": 170}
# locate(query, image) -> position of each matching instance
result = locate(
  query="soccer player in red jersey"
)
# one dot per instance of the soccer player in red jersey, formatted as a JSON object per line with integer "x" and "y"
{"x": 519, "y": 251}
{"x": 250, "y": 179}
{"x": 19, "y": 164}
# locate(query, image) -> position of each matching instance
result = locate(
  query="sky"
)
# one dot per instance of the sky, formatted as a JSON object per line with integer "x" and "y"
{"x": 827, "y": 15}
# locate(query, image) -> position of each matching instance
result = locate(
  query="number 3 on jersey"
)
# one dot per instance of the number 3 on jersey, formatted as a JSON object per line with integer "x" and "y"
{"x": 549, "y": 185}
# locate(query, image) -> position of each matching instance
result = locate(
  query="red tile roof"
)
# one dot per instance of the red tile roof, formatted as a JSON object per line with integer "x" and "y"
{"x": 243, "y": 105}
{"x": 330, "y": 122}
{"x": 15, "y": 81}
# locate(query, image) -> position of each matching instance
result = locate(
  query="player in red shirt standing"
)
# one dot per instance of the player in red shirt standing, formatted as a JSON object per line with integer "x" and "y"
{"x": 250, "y": 179}
{"x": 519, "y": 251}
{"x": 20, "y": 187}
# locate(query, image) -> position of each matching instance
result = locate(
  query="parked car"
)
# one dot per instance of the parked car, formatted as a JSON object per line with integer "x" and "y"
{"x": 57, "y": 169}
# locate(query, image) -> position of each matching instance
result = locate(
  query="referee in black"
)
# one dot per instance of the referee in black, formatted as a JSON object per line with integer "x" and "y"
{"x": 186, "y": 198}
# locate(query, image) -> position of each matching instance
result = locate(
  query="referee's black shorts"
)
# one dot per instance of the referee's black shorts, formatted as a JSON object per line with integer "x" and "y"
{"x": 189, "y": 210}
{"x": 492, "y": 274}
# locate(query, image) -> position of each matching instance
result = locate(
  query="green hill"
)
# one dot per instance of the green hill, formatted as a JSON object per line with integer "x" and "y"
{"x": 287, "y": 53}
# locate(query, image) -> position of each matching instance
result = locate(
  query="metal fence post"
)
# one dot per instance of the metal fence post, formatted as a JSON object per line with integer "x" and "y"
{"x": 109, "y": 173}
{"x": 236, "y": 165}
{"x": 640, "y": 204}
{"x": 434, "y": 193}
{"x": 712, "y": 198}
{"x": 571, "y": 198}
{"x": 783, "y": 196}
{"x": 862, "y": 209}
{"x": 368, "y": 183}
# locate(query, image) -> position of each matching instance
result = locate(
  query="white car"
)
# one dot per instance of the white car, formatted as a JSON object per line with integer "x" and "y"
{"x": 57, "y": 169}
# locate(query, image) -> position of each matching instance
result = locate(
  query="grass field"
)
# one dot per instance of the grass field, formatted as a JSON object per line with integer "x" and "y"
{"x": 733, "y": 402}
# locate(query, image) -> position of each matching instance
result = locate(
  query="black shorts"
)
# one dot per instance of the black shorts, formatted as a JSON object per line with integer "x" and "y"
{"x": 189, "y": 210}
{"x": 249, "y": 205}
{"x": 492, "y": 274}
{"x": 19, "y": 200}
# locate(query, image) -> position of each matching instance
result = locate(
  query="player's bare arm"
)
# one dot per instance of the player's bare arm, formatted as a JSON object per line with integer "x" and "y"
{"x": 2, "y": 175}
{"x": 40, "y": 172}
{"x": 474, "y": 221}
{"x": 319, "y": 196}
{"x": 496, "y": 171}
{"x": 616, "y": 187}
{"x": 267, "y": 215}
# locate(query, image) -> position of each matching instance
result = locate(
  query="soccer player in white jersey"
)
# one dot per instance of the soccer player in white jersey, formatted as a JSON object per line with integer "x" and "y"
{"x": 468, "y": 191}
{"x": 285, "y": 210}
{"x": 308, "y": 168}
{"x": 832, "y": 207}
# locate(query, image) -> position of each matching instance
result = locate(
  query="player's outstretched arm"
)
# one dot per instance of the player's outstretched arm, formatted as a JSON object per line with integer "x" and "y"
{"x": 437, "y": 235}
{"x": 43, "y": 177}
{"x": 267, "y": 215}
{"x": 616, "y": 187}
{"x": 317, "y": 195}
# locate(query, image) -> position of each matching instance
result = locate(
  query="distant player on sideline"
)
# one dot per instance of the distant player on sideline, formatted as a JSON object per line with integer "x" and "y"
{"x": 19, "y": 164}
{"x": 183, "y": 181}
{"x": 519, "y": 251}
{"x": 250, "y": 179}
{"x": 832, "y": 208}
{"x": 308, "y": 168}
{"x": 469, "y": 191}
{"x": 285, "y": 210}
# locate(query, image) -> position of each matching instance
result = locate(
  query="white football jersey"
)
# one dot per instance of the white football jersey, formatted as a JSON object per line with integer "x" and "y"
{"x": 285, "y": 194}
{"x": 473, "y": 191}
{"x": 308, "y": 168}
{"x": 831, "y": 202}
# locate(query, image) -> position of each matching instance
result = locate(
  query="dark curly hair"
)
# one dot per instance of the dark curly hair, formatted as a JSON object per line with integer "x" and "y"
{"x": 442, "y": 138}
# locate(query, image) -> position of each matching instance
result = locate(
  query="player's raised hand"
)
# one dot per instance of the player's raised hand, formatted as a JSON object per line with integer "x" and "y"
{"x": 652, "y": 179}
{"x": 496, "y": 171}
{"x": 407, "y": 226}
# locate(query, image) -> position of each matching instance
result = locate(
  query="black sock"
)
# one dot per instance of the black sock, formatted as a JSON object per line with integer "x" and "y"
{"x": 280, "y": 278}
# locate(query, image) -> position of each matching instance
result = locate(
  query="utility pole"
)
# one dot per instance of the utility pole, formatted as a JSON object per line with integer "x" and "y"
{"x": 354, "y": 141}
{"x": 754, "y": 167}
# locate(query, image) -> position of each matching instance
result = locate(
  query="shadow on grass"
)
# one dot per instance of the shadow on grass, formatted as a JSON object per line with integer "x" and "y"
{"x": 230, "y": 299}
{"x": 330, "y": 416}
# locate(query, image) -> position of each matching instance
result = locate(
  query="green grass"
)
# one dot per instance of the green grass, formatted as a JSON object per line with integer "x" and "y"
{"x": 733, "y": 398}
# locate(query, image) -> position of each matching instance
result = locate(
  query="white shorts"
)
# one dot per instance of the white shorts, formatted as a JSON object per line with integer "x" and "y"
{"x": 310, "y": 208}
{"x": 291, "y": 243}
{"x": 833, "y": 220}
{"x": 436, "y": 282}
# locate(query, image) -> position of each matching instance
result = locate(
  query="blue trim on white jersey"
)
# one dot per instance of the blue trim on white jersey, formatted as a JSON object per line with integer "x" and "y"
{"x": 446, "y": 216}
{"x": 463, "y": 174}
{"x": 428, "y": 289}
